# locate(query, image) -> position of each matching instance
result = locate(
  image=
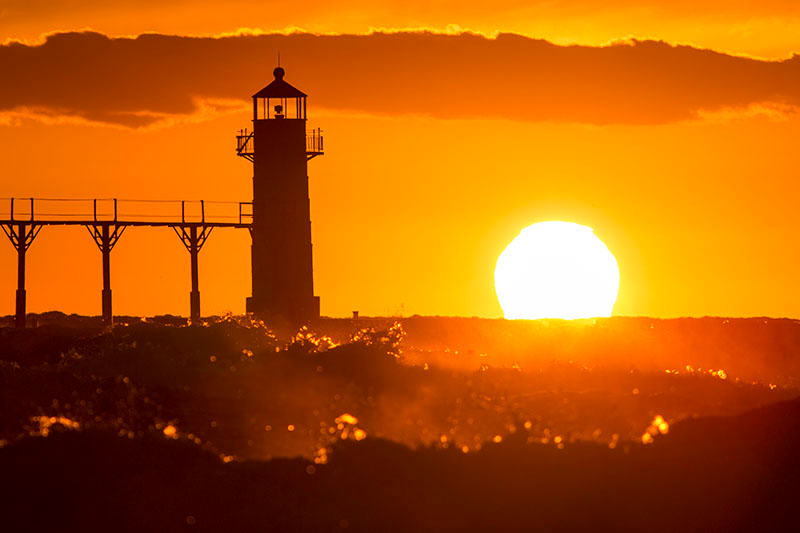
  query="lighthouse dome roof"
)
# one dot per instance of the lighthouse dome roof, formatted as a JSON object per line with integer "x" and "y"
{"x": 279, "y": 88}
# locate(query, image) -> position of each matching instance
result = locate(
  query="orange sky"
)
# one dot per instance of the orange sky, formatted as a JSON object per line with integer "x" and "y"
{"x": 439, "y": 148}
{"x": 764, "y": 28}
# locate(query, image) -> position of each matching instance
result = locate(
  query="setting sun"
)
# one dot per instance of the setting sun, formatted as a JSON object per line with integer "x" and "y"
{"x": 556, "y": 270}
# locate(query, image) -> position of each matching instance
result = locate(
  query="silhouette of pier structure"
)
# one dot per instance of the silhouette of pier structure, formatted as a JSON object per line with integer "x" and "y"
{"x": 106, "y": 220}
{"x": 278, "y": 218}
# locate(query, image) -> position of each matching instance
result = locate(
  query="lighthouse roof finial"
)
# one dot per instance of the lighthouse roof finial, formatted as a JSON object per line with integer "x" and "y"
{"x": 279, "y": 88}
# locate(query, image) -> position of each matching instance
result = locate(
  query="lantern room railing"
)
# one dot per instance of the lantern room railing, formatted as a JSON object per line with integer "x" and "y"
{"x": 314, "y": 145}
{"x": 245, "y": 144}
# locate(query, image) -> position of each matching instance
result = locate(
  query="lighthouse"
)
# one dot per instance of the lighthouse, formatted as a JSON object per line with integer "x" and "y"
{"x": 279, "y": 146}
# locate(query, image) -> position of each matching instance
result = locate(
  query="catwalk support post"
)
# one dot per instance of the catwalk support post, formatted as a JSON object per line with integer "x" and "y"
{"x": 193, "y": 236}
{"x": 21, "y": 236}
{"x": 106, "y": 235}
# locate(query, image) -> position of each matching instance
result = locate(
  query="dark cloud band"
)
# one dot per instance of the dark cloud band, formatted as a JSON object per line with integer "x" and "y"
{"x": 138, "y": 81}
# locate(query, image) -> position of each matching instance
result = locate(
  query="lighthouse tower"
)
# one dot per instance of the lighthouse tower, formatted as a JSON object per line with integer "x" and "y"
{"x": 279, "y": 148}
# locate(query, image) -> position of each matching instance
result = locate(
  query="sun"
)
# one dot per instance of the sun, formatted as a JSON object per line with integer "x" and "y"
{"x": 556, "y": 270}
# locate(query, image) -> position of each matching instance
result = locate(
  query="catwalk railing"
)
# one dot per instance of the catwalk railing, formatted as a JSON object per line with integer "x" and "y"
{"x": 90, "y": 211}
{"x": 21, "y": 219}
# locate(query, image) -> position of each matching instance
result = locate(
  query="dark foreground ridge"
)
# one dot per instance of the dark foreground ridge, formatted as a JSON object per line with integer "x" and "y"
{"x": 424, "y": 424}
{"x": 733, "y": 474}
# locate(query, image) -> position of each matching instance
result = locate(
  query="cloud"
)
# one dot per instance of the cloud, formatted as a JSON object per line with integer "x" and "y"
{"x": 153, "y": 79}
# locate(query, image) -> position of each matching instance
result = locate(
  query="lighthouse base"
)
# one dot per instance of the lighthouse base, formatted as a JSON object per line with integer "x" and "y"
{"x": 295, "y": 314}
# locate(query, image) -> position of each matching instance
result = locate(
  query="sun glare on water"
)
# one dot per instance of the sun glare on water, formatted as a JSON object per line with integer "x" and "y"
{"x": 556, "y": 270}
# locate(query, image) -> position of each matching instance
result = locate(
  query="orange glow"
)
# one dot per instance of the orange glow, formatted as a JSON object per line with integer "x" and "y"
{"x": 46, "y": 422}
{"x": 653, "y": 256}
{"x": 604, "y": 157}
{"x": 658, "y": 426}
{"x": 346, "y": 418}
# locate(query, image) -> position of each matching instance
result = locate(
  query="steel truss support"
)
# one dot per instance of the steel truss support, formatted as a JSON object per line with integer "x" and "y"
{"x": 194, "y": 241}
{"x": 106, "y": 236}
{"x": 21, "y": 236}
